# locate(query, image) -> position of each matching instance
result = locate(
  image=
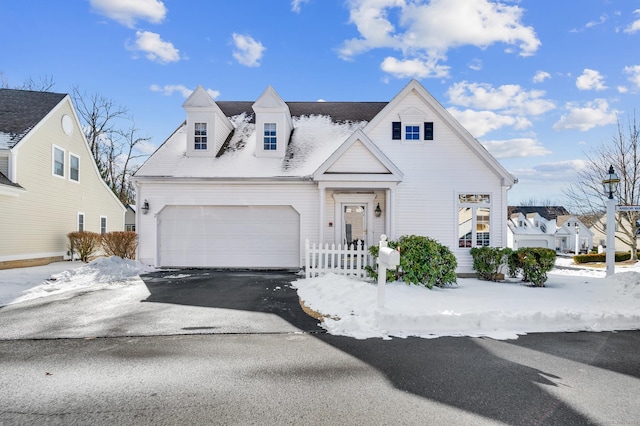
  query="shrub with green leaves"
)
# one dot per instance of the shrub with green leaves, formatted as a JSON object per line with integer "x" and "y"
{"x": 423, "y": 261}
{"x": 600, "y": 257}
{"x": 535, "y": 263}
{"x": 84, "y": 243}
{"x": 488, "y": 261}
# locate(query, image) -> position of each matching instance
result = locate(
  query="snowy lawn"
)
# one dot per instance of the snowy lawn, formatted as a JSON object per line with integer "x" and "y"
{"x": 573, "y": 300}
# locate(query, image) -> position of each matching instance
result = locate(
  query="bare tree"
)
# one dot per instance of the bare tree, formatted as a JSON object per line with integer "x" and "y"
{"x": 43, "y": 84}
{"x": 112, "y": 142}
{"x": 586, "y": 194}
{"x": 534, "y": 202}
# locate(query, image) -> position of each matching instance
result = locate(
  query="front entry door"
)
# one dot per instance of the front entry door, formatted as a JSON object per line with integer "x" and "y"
{"x": 354, "y": 224}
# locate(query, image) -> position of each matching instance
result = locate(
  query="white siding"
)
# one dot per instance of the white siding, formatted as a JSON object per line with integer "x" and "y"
{"x": 357, "y": 159}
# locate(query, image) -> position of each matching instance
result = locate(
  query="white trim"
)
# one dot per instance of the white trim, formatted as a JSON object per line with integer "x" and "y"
{"x": 29, "y": 256}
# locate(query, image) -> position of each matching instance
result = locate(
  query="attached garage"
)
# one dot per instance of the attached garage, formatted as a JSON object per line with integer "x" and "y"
{"x": 229, "y": 237}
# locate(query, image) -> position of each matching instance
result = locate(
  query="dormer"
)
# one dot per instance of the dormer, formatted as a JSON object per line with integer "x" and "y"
{"x": 414, "y": 126}
{"x": 207, "y": 126}
{"x": 273, "y": 124}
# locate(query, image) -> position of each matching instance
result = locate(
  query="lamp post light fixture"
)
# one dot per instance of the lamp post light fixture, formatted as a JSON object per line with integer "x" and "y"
{"x": 145, "y": 207}
{"x": 577, "y": 228}
{"x": 610, "y": 185}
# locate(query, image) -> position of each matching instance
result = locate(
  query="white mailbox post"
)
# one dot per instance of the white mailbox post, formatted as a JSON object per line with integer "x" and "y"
{"x": 387, "y": 258}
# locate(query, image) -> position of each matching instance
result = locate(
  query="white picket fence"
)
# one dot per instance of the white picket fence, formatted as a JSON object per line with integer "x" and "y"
{"x": 347, "y": 260}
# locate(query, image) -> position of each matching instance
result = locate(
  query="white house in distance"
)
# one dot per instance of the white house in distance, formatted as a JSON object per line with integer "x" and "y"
{"x": 548, "y": 227}
{"x": 244, "y": 184}
{"x": 49, "y": 182}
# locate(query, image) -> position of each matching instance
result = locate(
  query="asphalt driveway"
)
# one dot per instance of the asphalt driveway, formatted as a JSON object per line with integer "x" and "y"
{"x": 176, "y": 302}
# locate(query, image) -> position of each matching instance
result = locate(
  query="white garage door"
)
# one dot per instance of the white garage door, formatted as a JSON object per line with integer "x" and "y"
{"x": 229, "y": 237}
{"x": 534, "y": 243}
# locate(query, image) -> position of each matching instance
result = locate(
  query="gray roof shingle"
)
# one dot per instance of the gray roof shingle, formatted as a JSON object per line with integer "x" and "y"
{"x": 340, "y": 112}
{"x": 21, "y": 110}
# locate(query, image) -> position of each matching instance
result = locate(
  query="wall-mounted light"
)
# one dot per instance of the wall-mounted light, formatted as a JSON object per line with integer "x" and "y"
{"x": 145, "y": 207}
{"x": 378, "y": 211}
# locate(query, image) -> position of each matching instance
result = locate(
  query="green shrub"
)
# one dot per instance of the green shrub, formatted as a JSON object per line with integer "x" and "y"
{"x": 513, "y": 264}
{"x": 600, "y": 257}
{"x": 84, "y": 243}
{"x": 535, "y": 263}
{"x": 487, "y": 261}
{"x": 423, "y": 261}
{"x": 120, "y": 243}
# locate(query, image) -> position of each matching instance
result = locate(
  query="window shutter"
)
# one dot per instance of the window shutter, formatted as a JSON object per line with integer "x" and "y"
{"x": 428, "y": 131}
{"x": 396, "y": 130}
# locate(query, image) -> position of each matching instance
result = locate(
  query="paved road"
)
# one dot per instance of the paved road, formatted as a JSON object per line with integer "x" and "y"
{"x": 275, "y": 367}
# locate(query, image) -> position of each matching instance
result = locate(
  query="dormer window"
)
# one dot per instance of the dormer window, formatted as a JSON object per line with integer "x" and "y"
{"x": 200, "y": 140}
{"x": 413, "y": 131}
{"x": 270, "y": 137}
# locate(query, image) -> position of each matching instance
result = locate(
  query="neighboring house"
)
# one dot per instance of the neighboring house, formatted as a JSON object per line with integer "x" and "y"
{"x": 130, "y": 218}
{"x": 549, "y": 227}
{"x": 244, "y": 184}
{"x": 600, "y": 237}
{"x": 49, "y": 182}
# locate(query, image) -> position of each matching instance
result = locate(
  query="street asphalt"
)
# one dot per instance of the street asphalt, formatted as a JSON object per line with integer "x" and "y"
{"x": 212, "y": 347}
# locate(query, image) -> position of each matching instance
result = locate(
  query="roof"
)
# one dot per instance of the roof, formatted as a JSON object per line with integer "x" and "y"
{"x": 548, "y": 212}
{"x": 340, "y": 112}
{"x": 5, "y": 181}
{"x": 21, "y": 110}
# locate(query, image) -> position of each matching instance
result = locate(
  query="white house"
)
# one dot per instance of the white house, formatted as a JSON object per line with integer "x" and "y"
{"x": 544, "y": 227}
{"x": 49, "y": 182}
{"x": 243, "y": 185}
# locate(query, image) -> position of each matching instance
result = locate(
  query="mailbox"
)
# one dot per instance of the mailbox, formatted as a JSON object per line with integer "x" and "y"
{"x": 389, "y": 257}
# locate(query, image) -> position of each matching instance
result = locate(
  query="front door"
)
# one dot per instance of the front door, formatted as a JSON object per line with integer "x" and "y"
{"x": 354, "y": 224}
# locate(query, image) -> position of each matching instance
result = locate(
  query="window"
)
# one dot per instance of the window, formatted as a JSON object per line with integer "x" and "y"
{"x": 270, "y": 138}
{"x": 428, "y": 131}
{"x": 103, "y": 225}
{"x": 74, "y": 167}
{"x": 130, "y": 227}
{"x": 396, "y": 130}
{"x": 200, "y": 141}
{"x": 80, "y": 222}
{"x": 58, "y": 162}
{"x": 474, "y": 220}
{"x": 412, "y": 133}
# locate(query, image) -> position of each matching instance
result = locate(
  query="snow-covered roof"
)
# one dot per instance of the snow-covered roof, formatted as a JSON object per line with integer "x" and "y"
{"x": 314, "y": 139}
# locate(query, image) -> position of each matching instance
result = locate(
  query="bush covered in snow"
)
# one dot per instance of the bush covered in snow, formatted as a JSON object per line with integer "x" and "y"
{"x": 423, "y": 261}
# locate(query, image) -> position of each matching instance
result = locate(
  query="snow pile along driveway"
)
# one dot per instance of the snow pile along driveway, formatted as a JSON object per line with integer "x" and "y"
{"x": 571, "y": 301}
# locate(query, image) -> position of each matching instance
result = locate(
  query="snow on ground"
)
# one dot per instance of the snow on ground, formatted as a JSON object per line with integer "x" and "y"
{"x": 575, "y": 299}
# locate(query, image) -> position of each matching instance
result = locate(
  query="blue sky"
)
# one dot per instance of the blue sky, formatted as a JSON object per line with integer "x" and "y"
{"x": 539, "y": 82}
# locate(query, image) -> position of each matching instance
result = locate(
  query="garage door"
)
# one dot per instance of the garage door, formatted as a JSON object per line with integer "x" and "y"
{"x": 534, "y": 243}
{"x": 229, "y": 237}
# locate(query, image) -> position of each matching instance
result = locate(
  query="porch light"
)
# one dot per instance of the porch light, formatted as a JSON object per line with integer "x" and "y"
{"x": 145, "y": 207}
{"x": 610, "y": 183}
{"x": 378, "y": 211}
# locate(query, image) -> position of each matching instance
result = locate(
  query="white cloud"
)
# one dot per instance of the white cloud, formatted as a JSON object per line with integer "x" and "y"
{"x": 127, "y": 12}
{"x": 155, "y": 49}
{"x": 429, "y": 30}
{"x": 553, "y": 172}
{"x": 590, "y": 80}
{"x": 635, "y": 25}
{"x": 475, "y": 65}
{"x": 295, "y": 5}
{"x": 510, "y": 98}
{"x": 623, "y": 89}
{"x": 479, "y": 123}
{"x": 248, "y": 51}
{"x": 593, "y": 114}
{"x": 146, "y": 147}
{"x": 634, "y": 74}
{"x": 413, "y": 68}
{"x": 170, "y": 89}
{"x": 541, "y": 76}
{"x": 513, "y": 148}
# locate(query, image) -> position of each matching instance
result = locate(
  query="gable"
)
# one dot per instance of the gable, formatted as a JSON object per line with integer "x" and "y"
{"x": 356, "y": 159}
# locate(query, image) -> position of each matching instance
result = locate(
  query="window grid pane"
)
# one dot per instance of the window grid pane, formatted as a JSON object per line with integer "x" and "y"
{"x": 412, "y": 133}
{"x": 74, "y": 166}
{"x": 270, "y": 137}
{"x": 58, "y": 162}
{"x": 200, "y": 141}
